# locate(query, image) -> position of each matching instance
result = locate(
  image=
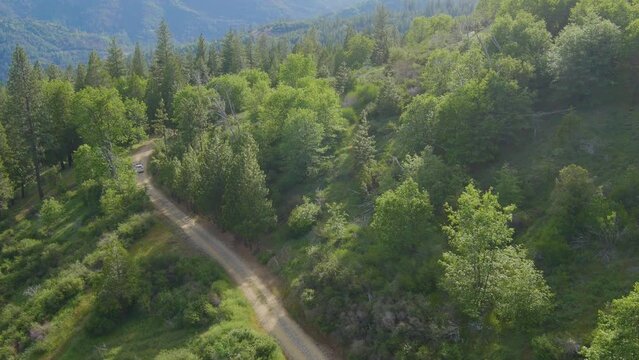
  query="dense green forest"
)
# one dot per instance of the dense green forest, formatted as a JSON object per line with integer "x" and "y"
{"x": 449, "y": 187}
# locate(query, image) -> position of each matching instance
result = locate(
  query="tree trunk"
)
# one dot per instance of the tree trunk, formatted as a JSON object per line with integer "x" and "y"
{"x": 22, "y": 192}
{"x": 36, "y": 165}
{"x": 34, "y": 146}
{"x": 70, "y": 159}
{"x": 107, "y": 151}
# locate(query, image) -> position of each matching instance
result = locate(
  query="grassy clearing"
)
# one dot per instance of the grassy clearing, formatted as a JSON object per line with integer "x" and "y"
{"x": 144, "y": 336}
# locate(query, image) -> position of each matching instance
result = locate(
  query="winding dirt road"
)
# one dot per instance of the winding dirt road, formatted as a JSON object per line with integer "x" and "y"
{"x": 293, "y": 340}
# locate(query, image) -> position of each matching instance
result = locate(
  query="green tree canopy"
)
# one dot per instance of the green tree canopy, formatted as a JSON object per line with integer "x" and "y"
{"x": 234, "y": 90}
{"x": 301, "y": 148}
{"x": 425, "y": 29}
{"x": 359, "y": 49}
{"x": 165, "y": 75}
{"x": 295, "y": 68}
{"x": 584, "y": 57}
{"x": 475, "y": 120}
{"x": 115, "y": 63}
{"x": 617, "y": 333}
{"x": 194, "y": 111}
{"x": 403, "y": 219}
{"x": 483, "y": 271}
{"x": 522, "y": 37}
{"x": 26, "y": 125}
{"x": 100, "y": 116}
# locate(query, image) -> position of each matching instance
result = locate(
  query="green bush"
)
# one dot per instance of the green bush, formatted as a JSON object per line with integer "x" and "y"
{"x": 545, "y": 348}
{"x": 362, "y": 96}
{"x": 200, "y": 312}
{"x": 100, "y": 324}
{"x": 169, "y": 304}
{"x": 135, "y": 227}
{"x": 51, "y": 211}
{"x": 303, "y": 218}
{"x": 236, "y": 344}
{"x": 56, "y": 295}
{"x": 176, "y": 354}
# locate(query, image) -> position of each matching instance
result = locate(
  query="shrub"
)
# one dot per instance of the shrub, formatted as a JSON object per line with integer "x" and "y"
{"x": 236, "y": 344}
{"x": 57, "y": 294}
{"x": 176, "y": 354}
{"x": 362, "y": 96}
{"x": 135, "y": 227}
{"x": 546, "y": 348}
{"x": 197, "y": 269}
{"x": 200, "y": 312}
{"x": 169, "y": 303}
{"x": 303, "y": 218}
{"x": 50, "y": 212}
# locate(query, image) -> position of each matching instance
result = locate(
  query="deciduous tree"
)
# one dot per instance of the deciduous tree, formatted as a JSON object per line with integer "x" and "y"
{"x": 483, "y": 271}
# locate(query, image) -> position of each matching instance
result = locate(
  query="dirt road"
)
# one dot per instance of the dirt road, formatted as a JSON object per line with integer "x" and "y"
{"x": 293, "y": 340}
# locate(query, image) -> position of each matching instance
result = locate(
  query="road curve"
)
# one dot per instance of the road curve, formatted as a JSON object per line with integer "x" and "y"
{"x": 293, "y": 340}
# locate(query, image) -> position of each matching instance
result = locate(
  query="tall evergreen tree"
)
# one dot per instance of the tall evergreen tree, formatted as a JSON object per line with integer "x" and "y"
{"x": 138, "y": 64}
{"x": 342, "y": 79}
{"x": 96, "y": 75}
{"x": 363, "y": 145}
{"x": 381, "y": 51}
{"x": 63, "y": 139}
{"x": 80, "y": 76}
{"x": 53, "y": 72}
{"x": 24, "y": 112}
{"x": 199, "y": 67}
{"x": 232, "y": 54}
{"x": 246, "y": 208}
{"x": 165, "y": 75}
{"x": 213, "y": 63}
{"x": 115, "y": 64}
{"x": 6, "y": 187}
{"x": 38, "y": 73}
{"x": 250, "y": 53}
{"x": 160, "y": 121}
{"x": 262, "y": 54}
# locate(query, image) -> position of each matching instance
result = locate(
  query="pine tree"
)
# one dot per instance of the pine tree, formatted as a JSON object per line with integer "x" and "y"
{"x": 160, "y": 120}
{"x": 250, "y": 53}
{"x": 38, "y": 73}
{"x": 96, "y": 75}
{"x": 57, "y": 100}
{"x": 232, "y": 54}
{"x": 389, "y": 101}
{"x": 24, "y": 112}
{"x": 213, "y": 62}
{"x": 262, "y": 58}
{"x": 69, "y": 73}
{"x": 6, "y": 187}
{"x": 80, "y": 76}
{"x": 53, "y": 72}
{"x": 363, "y": 144}
{"x": 343, "y": 79}
{"x": 246, "y": 209}
{"x": 115, "y": 63}
{"x": 381, "y": 52}
{"x": 199, "y": 67}
{"x": 165, "y": 73}
{"x": 138, "y": 64}
{"x": 309, "y": 45}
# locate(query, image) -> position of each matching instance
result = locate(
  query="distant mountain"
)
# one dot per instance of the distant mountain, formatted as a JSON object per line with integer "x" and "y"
{"x": 137, "y": 19}
{"x": 46, "y": 42}
{"x": 65, "y": 31}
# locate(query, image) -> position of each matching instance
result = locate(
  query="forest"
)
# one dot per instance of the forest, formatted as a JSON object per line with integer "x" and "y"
{"x": 433, "y": 184}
